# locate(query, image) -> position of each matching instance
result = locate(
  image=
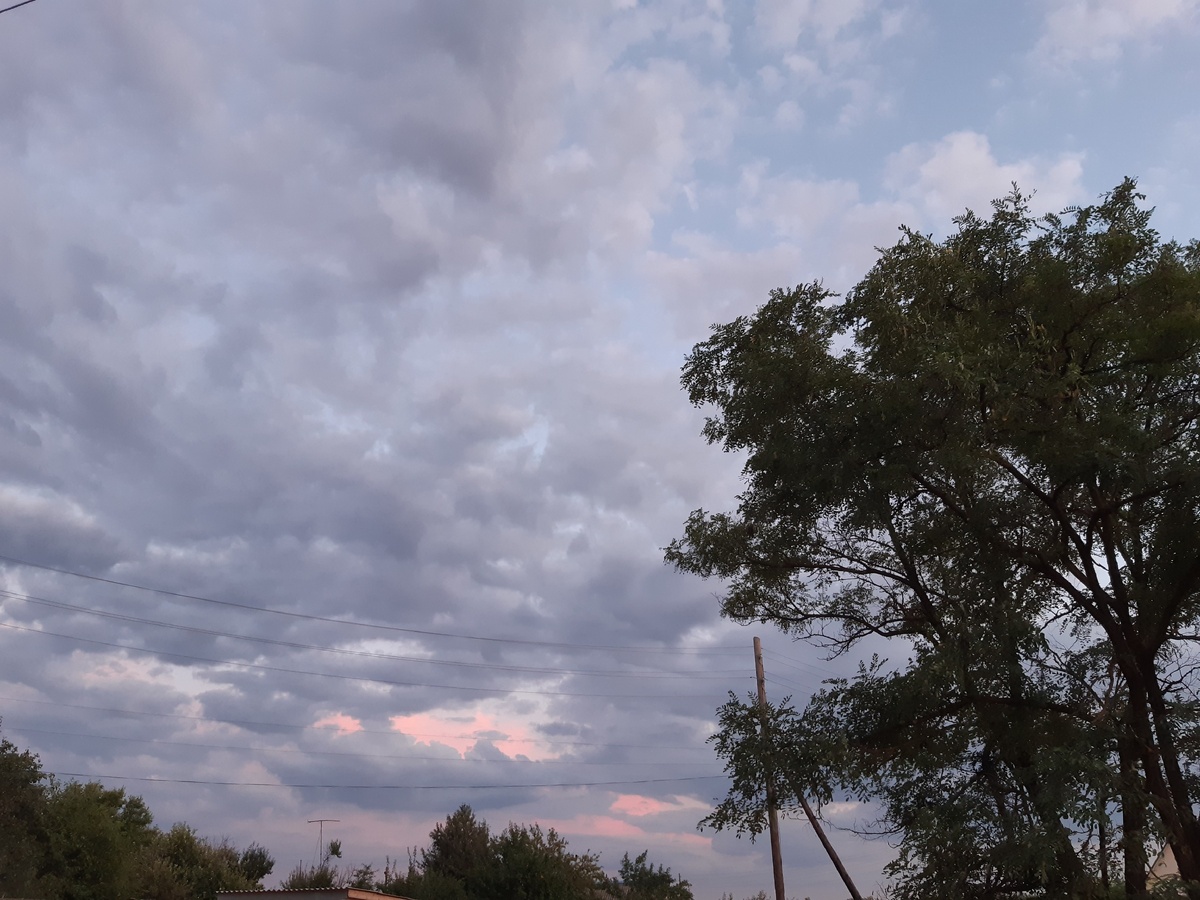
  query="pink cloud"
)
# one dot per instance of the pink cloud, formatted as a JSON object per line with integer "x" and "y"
{"x": 463, "y": 731}
{"x": 341, "y": 722}
{"x": 595, "y": 826}
{"x": 611, "y": 827}
{"x": 637, "y": 805}
{"x": 430, "y": 729}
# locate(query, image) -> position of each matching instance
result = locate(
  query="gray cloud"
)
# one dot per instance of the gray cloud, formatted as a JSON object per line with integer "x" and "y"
{"x": 374, "y": 313}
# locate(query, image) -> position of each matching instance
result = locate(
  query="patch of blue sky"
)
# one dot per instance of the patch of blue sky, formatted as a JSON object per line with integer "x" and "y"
{"x": 953, "y": 64}
{"x": 702, "y": 41}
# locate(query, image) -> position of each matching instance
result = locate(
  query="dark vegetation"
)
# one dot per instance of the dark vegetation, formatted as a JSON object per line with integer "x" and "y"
{"x": 76, "y": 841}
{"x": 465, "y": 860}
{"x": 986, "y": 458}
{"x": 82, "y": 841}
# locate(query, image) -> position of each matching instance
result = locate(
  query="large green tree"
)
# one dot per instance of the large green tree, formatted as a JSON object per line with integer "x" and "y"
{"x": 986, "y": 452}
{"x": 460, "y": 848}
{"x": 532, "y": 864}
{"x": 22, "y": 821}
{"x": 95, "y": 838}
{"x": 83, "y": 841}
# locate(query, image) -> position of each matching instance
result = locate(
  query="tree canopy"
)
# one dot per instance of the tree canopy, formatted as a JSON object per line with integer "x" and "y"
{"x": 641, "y": 880}
{"x": 466, "y": 861}
{"x": 82, "y": 841}
{"x": 986, "y": 456}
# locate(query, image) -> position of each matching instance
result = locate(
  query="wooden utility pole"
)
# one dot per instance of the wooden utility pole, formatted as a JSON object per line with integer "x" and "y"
{"x": 796, "y": 789}
{"x": 833, "y": 857}
{"x": 772, "y": 813}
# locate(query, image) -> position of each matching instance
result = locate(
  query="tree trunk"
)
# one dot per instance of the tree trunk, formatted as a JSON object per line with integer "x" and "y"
{"x": 1133, "y": 820}
{"x": 1185, "y": 839}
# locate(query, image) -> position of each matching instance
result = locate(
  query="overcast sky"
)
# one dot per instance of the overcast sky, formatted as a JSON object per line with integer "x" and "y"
{"x": 361, "y": 324}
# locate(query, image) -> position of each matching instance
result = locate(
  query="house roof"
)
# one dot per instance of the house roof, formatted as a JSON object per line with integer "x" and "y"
{"x": 309, "y": 894}
{"x": 1164, "y": 866}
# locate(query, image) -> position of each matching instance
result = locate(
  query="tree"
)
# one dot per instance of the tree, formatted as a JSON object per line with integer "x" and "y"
{"x": 95, "y": 837}
{"x": 256, "y": 863}
{"x": 524, "y": 862}
{"x": 639, "y": 880}
{"x": 428, "y": 885}
{"x": 181, "y": 865}
{"x": 69, "y": 840}
{"x": 531, "y": 864}
{"x": 22, "y": 821}
{"x": 460, "y": 848}
{"x": 987, "y": 452}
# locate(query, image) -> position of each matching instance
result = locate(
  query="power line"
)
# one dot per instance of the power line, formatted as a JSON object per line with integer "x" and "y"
{"x": 363, "y": 678}
{"x": 823, "y": 671}
{"x": 396, "y": 787}
{"x": 335, "y": 753}
{"x": 15, "y": 5}
{"x": 253, "y": 723}
{"x": 329, "y": 620}
{"x": 195, "y": 629}
{"x": 780, "y": 680}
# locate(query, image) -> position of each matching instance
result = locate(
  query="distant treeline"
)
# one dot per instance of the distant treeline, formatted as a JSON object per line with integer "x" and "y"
{"x": 466, "y": 861}
{"x": 82, "y": 841}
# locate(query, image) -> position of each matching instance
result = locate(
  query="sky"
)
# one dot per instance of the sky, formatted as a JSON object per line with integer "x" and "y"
{"x": 340, "y": 422}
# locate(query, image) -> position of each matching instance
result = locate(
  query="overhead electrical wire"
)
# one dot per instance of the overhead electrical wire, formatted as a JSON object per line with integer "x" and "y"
{"x": 784, "y": 682}
{"x": 363, "y": 678}
{"x": 15, "y": 5}
{"x": 195, "y": 629}
{"x": 341, "y": 753}
{"x": 254, "y": 723}
{"x": 396, "y": 787}
{"x": 375, "y": 625}
{"x": 822, "y": 671}
{"x": 379, "y": 629}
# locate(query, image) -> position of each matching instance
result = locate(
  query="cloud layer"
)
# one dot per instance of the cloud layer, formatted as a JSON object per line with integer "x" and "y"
{"x": 355, "y": 330}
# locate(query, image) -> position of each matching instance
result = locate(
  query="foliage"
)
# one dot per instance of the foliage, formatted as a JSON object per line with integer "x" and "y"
{"x": 94, "y": 837}
{"x": 465, "y": 861}
{"x": 181, "y": 864}
{"x": 986, "y": 453}
{"x": 642, "y": 881}
{"x": 460, "y": 848}
{"x": 363, "y": 877}
{"x": 531, "y": 864}
{"x": 255, "y": 863}
{"x": 22, "y": 821}
{"x": 321, "y": 875}
{"x": 83, "y": 841}
{"x": 427, "y": 885}
{"x": 522, "y": 862}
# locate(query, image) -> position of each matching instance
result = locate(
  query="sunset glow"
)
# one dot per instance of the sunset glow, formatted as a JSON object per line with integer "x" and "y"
{"x": 463, "y": 731}
{"x": 341, "y": 723}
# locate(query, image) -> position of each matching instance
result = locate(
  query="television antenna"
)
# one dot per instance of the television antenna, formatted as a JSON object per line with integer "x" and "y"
{"x": 321, "y": 833}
